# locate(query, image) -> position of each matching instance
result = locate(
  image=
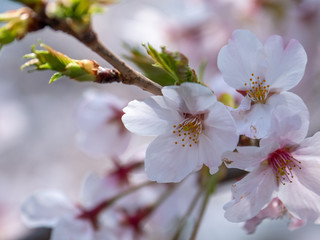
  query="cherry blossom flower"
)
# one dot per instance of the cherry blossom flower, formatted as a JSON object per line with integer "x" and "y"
{"x": 101, "y": 132}
{"x": 193, "y": 129}
{"x": 285, "y": 166}
{"x": 51, "y": 208}
{"x": 263, "y": 73}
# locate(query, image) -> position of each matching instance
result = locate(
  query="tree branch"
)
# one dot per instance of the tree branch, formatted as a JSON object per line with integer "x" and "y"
{"x": 88, "y": 37}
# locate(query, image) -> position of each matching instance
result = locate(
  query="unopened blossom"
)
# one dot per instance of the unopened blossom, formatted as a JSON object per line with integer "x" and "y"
{"x": 101, "y": 131}
{"x": 193, "y": 129}
{"x": 263, "y": 73}
{"x": 286, "y": 166}
{"x": 274, "y": 210}
{"x": 69, "y": 221}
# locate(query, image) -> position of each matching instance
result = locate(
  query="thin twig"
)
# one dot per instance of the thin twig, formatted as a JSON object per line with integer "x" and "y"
{"x": 187, "y": 214}
{"x": 127, "y": 74}
{"x": 211, "y": 184}
{"x": 128, "y": 191}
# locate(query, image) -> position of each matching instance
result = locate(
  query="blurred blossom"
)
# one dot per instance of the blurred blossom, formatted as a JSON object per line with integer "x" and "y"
{"x": 168, "y": 217}
{"x": 50, "y": 208}
{"x": 101, "y": 131}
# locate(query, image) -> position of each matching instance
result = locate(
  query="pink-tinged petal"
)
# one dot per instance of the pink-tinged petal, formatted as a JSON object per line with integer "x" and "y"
{"x": 150, "y": 117}
{"x": 290, "y": 129}
{"x": 308, "y": 153}
{"x": 250, "y": 194}
{"x": 296, "y": 223}
{"x": 73, "y": 229}
{"x": 286, "y": 64}
{"x": 246, "y": 158}
{"x": 240, "y": 58}
{"x": 300, "y": 201}
{"x": 190, "y": 97}
{"x": 45, "y": 208}
{"x": 169, "y": 162}
{"x": 275, "y": 209}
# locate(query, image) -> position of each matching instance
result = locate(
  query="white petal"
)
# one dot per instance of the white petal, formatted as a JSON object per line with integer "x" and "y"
{"x": 246, "y": 158}
{"x": 286, "y": 66}
{"x": 240, "y": 58}
{"x": 251, "y": 194}
{"x": 210, "y": 153}
{"x": 309, "y": 154}
{"x": 288, "y": 126}
{"x": 255, "y": 122}
{"x": 300, "y": 201}
{"x": 45, "y": 208}
{"x": 73, "y": 229}
{"x": 190, "y": 97}
{"x": 151, "y": 117}
{"x": 97, "y": 109}
{"x": 96, "y": 189}
{"x": 220, "y": 135}
{"x": 169, "y": 162}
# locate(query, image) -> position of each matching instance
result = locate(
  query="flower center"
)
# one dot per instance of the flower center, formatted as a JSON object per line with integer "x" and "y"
{"x": 282, "y": 164}
{"x": 188, "y": 130}
{"x": 257, "y": 90}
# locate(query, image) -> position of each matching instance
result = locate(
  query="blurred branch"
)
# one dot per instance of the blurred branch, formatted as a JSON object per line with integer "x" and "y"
{"x": 187, "y": 214}
{"x": 211, "y": 185}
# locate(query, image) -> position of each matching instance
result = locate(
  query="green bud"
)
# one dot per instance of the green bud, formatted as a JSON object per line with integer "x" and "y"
{"x": 49, "y": 59}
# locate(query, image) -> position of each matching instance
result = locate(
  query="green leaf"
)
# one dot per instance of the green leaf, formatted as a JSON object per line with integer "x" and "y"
{"x": 174, "y": 63}
{"x": 55, "y": 77}
{"x": 146, "y": 64}
{"x": 201, "y": 70}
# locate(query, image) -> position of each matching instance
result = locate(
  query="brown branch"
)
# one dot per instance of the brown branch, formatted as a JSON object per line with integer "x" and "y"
{"x": 88, "y": 37}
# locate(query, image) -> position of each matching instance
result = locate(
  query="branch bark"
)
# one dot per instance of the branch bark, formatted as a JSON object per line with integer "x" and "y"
{"x": 89, "y": 38}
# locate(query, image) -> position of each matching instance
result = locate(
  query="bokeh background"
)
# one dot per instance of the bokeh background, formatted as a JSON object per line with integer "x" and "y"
{"x": 37, "y": 125}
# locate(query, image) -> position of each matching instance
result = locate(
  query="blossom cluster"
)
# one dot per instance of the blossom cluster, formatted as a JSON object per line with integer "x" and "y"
{"x": 194, "y": 130}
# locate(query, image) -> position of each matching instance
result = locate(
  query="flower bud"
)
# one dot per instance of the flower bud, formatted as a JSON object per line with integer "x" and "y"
{"x": 80, "y": 70}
